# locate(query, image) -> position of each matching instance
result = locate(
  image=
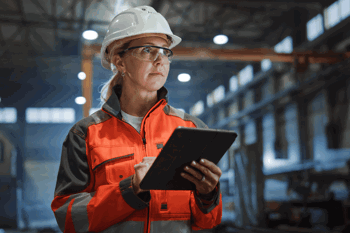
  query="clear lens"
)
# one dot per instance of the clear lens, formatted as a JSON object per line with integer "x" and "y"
{"x": 151, "y": 53}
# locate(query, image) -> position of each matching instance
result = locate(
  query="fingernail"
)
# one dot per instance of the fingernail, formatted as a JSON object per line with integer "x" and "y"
{"x": 193, "y": 162}
{"x": 186, "y": 168}
{"x": 182, "y": 174}
{"x": 202, "y": 160}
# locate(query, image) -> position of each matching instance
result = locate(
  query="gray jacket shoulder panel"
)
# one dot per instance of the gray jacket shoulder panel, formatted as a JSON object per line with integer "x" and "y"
{"x": 81, "y": 127}
{"x": 169, "y": 110}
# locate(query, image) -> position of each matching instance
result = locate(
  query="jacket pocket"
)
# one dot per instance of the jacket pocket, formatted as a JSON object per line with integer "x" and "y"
{"x": 178, "y": 202}
{"x": 112, "y": 164}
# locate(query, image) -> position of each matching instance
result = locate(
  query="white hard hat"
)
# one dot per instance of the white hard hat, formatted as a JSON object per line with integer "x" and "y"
{"x": 133, "y": 22}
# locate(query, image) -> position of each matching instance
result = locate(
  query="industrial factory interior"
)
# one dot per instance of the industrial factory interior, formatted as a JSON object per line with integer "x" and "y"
{"x": 274, "y": 72}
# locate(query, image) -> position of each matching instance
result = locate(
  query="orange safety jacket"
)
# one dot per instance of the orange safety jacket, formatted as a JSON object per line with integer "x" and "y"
{"x": 94, "y": 192}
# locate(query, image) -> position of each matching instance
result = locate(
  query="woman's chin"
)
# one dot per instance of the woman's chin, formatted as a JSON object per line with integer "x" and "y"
{"x": 155, "y": 86}
{"x": 152, "y": 88}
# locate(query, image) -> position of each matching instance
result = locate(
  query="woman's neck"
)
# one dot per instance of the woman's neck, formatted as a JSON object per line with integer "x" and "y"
{"x": 137, "y": 102}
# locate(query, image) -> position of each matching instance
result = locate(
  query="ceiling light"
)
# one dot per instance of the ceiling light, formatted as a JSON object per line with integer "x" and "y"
{"x": 81, "y": 75}
{"x": 220, "y": 39}
{"x": 80, "y": 100}
{"x": 90, "y": 35}
{"x": 184, "y": 77}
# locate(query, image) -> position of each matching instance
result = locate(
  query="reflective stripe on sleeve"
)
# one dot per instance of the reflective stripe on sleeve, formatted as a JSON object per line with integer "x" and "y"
{"x": 61, "y": 212}
{"x": 126, "y": 227}
{"x": 79, "y": 212}
{"x": 176, "y": 226}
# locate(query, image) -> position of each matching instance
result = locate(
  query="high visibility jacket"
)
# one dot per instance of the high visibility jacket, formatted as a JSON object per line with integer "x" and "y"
{"x": 94, "y": 192}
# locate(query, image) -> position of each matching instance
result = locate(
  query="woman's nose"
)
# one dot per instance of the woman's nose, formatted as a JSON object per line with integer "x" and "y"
{"x": 161, "y": 57}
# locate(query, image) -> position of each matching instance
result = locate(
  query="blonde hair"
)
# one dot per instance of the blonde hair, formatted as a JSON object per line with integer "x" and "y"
{"x": 117, "y": 78}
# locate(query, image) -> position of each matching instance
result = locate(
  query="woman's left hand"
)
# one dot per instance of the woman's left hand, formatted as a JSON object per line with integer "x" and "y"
{"x": 212, "y": 174}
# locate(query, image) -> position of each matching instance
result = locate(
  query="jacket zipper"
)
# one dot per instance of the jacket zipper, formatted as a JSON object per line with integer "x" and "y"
{"x": 144, "y": 149}
{"x": 144, "y": 143}
{"x": 148, "y": 208}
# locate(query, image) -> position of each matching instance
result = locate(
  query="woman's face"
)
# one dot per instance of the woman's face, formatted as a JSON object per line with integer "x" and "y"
{"x": 140, "y": 73}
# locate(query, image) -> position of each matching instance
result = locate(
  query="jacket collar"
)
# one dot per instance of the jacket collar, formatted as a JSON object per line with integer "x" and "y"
{"x": 112, "y": 105}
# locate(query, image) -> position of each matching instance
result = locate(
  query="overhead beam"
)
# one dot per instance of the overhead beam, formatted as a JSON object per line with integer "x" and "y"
{"x": 67, "y": 9}
{"x": 41, "y": 8}
{"x": 189, "y": 54}
{"x": 182, "y": 53}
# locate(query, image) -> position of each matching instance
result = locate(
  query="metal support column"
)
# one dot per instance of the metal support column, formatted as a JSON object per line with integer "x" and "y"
{"x": 87, "y": 68}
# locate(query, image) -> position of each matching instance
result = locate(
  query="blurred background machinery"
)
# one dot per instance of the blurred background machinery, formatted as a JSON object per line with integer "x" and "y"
{"x": 276, "y": 72}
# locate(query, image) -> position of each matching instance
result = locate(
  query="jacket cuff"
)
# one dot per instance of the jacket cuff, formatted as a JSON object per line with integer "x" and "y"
{"x": 137, "y": 202}
{"x": 207, "y": 197}
{"x": 204, "y": 203}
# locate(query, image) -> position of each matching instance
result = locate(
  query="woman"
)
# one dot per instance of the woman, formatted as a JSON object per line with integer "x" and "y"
{"x": 106, "y": 155}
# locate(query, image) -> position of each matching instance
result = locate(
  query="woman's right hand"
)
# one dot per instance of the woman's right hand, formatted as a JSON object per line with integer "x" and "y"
{"x": 140, "y": 171}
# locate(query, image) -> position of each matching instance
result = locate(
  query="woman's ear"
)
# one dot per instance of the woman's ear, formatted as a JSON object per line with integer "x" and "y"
{"x": 118, "y": 62}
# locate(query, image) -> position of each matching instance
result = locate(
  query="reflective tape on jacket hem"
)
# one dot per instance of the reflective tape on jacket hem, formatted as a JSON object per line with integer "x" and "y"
{"x": 126, "y": 227}
{"x": 174, "y": 226}
{"x": 182, "y": 226}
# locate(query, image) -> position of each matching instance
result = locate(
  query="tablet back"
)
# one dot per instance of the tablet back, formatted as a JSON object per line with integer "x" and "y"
{"x": 184, "y": 146}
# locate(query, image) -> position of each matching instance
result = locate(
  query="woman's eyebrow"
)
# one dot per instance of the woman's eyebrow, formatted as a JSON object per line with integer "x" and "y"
{"x": 164, "y": 45}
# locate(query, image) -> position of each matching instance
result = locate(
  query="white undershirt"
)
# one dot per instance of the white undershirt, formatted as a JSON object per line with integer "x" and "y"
{"x": 132, "y": 120}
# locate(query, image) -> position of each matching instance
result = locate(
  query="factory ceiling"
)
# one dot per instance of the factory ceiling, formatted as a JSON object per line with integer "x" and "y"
{"x": 39, "y": 26}
{"x": 53, "y": 28}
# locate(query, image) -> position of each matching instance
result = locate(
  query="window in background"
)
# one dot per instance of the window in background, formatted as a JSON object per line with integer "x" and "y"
{"x": 285, "y": 46}
{"x": 8, "y": 115}
{"x": 233, "y": 83}
{"x": 210, "y": 101}
{"x": 331, "y": 15}
{"x": 344, "y": 6}
{"x": 233, "y": 108}
{"x": 219, "y": 94}
{"x": 266, "y": 64}
{"x": 50, "y": 115}
{"x": 216, "y": 96}
{"x": 250, "y": 136}
{"x": 197, "y": 109}
{"x": 245, "y": 75}
{"x": 314, "y": 27}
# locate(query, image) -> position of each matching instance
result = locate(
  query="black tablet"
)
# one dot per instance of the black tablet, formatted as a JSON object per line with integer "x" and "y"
{"x": 184, "y": 146}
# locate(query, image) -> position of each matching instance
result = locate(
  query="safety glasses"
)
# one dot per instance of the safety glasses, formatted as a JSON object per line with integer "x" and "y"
{"x": 150, "y": 52}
